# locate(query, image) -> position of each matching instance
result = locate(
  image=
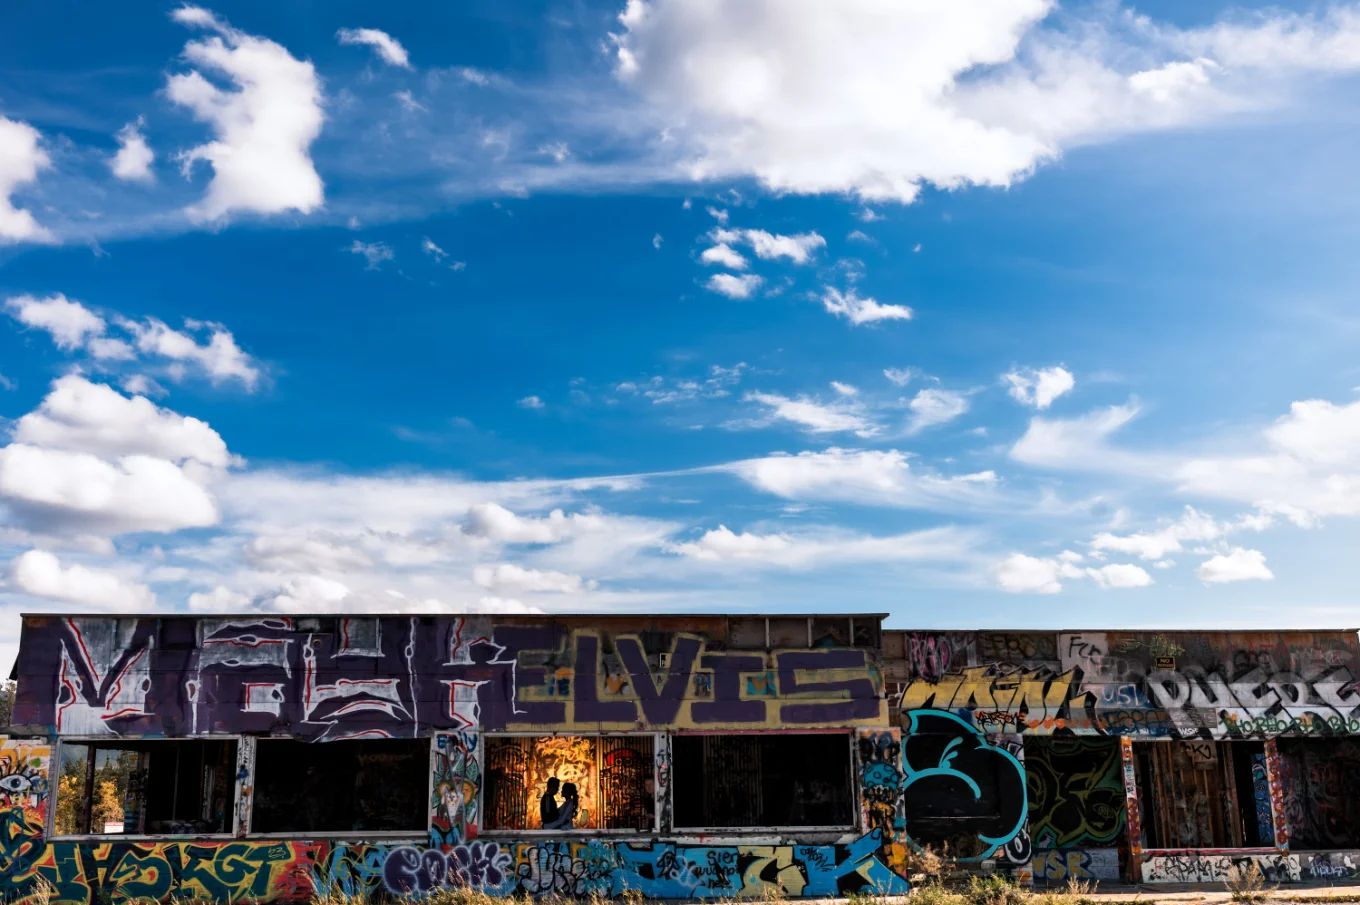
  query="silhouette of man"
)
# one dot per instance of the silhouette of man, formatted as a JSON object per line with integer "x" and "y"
{"x": 547, "y": 805}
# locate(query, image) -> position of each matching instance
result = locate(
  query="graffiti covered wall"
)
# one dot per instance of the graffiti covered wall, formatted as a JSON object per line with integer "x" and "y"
{"x": 1146, "y": 685}
{"x": 320, "y": 678}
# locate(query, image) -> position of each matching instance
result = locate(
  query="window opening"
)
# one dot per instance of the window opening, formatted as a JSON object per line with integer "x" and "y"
{"x": 152, "y": 787}
{"x": 1321, "y": 791}
{"x": 561, "y": 783}
{"x": 1200, "y": 794}
{"x": 376, "y": 785}
{"x": 789, "y": 780}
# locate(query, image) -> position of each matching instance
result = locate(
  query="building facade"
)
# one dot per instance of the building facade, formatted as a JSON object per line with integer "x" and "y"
{"x": 271, "y": 757}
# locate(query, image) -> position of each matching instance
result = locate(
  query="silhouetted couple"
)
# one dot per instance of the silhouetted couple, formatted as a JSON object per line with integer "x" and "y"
{"x": 553, "y": 817}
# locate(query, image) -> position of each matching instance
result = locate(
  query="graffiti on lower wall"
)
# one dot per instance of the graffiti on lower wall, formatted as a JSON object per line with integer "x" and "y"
{"x": 341, "y": 677}
{"x": 455, "y": 787}
{"x": 1210, "y": 685}
{"x": 1214, "y": 867}
{"x": 1061, "y": 865}
{"x": 116, "y": 872}
{"x": 1076, "y": 793}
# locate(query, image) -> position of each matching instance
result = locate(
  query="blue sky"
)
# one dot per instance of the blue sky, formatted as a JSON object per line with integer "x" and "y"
{"x": 1034, "y": 318}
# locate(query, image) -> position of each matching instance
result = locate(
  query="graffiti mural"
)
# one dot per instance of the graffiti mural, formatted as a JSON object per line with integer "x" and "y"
{"x": 1076, "y": 792}
{"x": 1320, "y": 788}
{"x": 1213, "y": 867}
{"x": 325, "y": 678}
{"x": 456, "y": 782}
{"x": 962, "y": 788}
{"x": 1205, "y": 685}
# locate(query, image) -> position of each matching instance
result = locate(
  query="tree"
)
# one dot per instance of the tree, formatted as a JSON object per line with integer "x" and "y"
{"x": 107, "y": 808}
{"x": 70, "y": 798}
{"x": 6, "y": 704}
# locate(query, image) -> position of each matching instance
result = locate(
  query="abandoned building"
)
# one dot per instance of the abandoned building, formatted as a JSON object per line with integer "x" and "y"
{"x": 267, "y": 757}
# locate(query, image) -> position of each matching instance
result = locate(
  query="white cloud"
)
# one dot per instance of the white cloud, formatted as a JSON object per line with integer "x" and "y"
{"x": 374, "y": 253}
{"x": 499, "y": 525}
{"x": 844, "y": 389}
{"x": 723, "y": 255}
{"x": 388, "y": 48}
{"x": 656, "y": 241}
{"x": 55, "y": 488}
{"x": 70, "y": 323}
{"x": 132, "y": 162}
{"x": 1019, "y": 573}
{"x": 40, "y": 574}
{"x": 80, "y": 416}
{"x": 932, "y": 406}
{"x": 474, "y": 76}
{"x": 310, "y": 593}
{"x": 220, "y": 358}
{"x": 427, "y": 245}
{"x": 733, "y": 286}
{"x": 408, "y": 102}
{"x": 1074, "y": 442}
{"x": 1039, "y": 388}
{"x": 866, "y": 477}
{"x": 900, "y": 376}
{"x": 1120, "y": 575}
{"x": 530, "y": 402}
{"x": 1236, "y": 565}
{"x": 816, "y": 417}
{"x": 263, "y": 129}
{"x": 798, "y": 248}
{"x": 859, "y": 235}
{"x": 717, "y": 214}
{"x": 220, "y": 599}
{"x": 21, "y": 158}
{"x": 292, "y": 553}
{"x": 508, "y": 578}
{"x": 813, "y": 549}
{"x": 861, "y": 309}
{"x": 858, "y": 97}
{"x": 1192, "y": 527}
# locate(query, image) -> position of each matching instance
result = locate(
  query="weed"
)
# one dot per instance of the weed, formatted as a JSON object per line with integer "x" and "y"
{"x": 934, "y": 893}
{"x": 1247, "y": 883}
{"x": 994, "y": 889}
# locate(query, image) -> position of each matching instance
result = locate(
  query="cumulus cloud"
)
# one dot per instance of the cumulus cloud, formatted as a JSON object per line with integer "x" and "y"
{"x": 1238, "y": 564}
{"x": 734, "y": 286}
{"x": 374, "y": 253}
{"x": 865, "y": 477}
{"x": 723, "y": 255}
{"x": 220, "y": 357}
{"x": 132, "y": 162}
{"x": 816, "y": 417}
{"x": 428, "y": 246}
{"x": 860, "y": 309}
{"x": 844, "y": 389}
{"x": 40, "y": 574}
{"x": 508, "y": 578}
{"x": 1038, "y": 388}
{"x": 70, "y": 323}
{"x": 1019, "y": 573}
{"x": 21, "y": 158}
{"x": 855, "y": 97}
{"x": 825, "y": 547}
{"x": 387, "y": 48}
{"x": 1075, "y": 442}
{"x": 264, "y": 125}
{"x": 1193, "y": 527}
{"x": 798, "y": 248}
{"x": 80, "y": 416}
{"x": 900, "y": 376}
{"x": 932, "y": 406}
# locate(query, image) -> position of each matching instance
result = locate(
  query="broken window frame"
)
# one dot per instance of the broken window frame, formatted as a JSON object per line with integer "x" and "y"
{"x": 421, "y": 833}
{"x": 95, "y": 742}
{"x": 657, "y": 741}
{"x": 852, "y": 766}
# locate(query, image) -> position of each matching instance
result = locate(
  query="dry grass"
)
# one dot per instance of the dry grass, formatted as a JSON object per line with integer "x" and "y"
{"x": 1247, "y": 884}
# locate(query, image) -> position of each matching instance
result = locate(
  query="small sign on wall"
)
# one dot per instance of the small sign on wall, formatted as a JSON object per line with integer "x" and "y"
{"x": 1164, "y": 663}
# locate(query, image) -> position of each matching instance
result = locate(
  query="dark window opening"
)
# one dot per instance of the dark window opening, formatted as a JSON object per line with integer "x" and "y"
{"x": 762, "y": 780}
{"x": 1321, "y": 785}
{"x": 1203, "y": 794}
{"x": 158, "y": 787}
{"x": 562, "y": 783}
{"x": 376, "y": 785}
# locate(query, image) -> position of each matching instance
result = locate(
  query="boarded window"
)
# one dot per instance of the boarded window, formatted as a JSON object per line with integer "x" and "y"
{"x": 785, "y": 780}
{"x": 376, "y": 785}
{"x": 1200, "y": 794}
{"x": 154, "y": 787}
{"x": 562, "y": 783}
